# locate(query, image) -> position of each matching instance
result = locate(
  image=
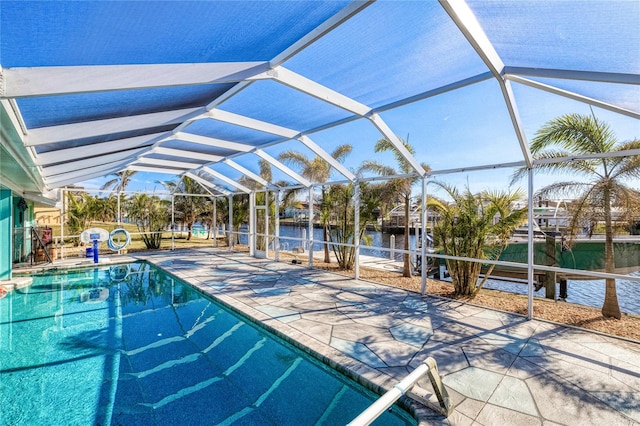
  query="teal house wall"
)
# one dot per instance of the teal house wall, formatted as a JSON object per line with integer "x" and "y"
{"x": 6, "y": 226}
{"x": 18, "y": 181}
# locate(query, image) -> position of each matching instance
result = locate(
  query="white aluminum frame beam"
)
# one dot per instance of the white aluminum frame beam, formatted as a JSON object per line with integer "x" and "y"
{"x": 464, "y": 19}
{"x": 84, "y": 174}
{"x": 191, "y": 175}
{"x": 327, "y": 26}
{"x": 88, "y": 129}
{"x": 173, "y": 152}
{"x": 151, "y": 169}
{"x": 46, "y": 81}
{"x": 595, "y": 76}
{"x": 572, "y": 95}
{"x": 102, "y": 148}
{"x": 277, "y": 164}
{"x": 213, "y": 142}
{"x": 247, "y": 172}
{"x": 391, "y": 137}
{"x": 323, "y": 29}
{"x": 90, "y": 162}
{"x": 477, "y": 168}
{"x": 206, "y": 184}
{"x": 612, "y": 154}
{"x": 251, "y": 123}
{"x": 226, "y": 179}
{"x": 166, "y": 163}
{"x": 310, "y": 87}
{"x": 326, "y": 157}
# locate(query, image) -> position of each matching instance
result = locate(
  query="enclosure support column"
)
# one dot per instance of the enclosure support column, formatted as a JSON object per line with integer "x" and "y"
{"x": 276, "y": 244}
{"x": 173, "y": 222}
{"x": 266, "y": 223}
{"x": 231, "y": 222}
{"x": 214, "y": 222}
{"x": 310, "y": 233}
{"x": 423, "y": 234}
{"x": 63, "y": 216}
{"x": 252, "y": 223}
{"x": 530, "y": 245}
{"x": 119, "y": 211}
{"x": 6, "y": 209}
{"x": 356, "y": 227}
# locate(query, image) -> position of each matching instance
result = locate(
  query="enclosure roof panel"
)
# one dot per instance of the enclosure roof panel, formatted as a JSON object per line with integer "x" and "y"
{"x": 97, "y": 87}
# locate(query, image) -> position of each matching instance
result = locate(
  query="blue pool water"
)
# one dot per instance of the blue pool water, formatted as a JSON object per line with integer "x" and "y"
{"x": 131, "y": 345}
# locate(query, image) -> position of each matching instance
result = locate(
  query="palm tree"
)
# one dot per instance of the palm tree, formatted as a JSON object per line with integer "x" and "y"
{"x": 188, "y": 208}
{"x": 151, "y": 217}
{"x": 477, "y": 226}
{"x": 80, "y": 213}
{"x": 583, "y": 136}
{"x": 120, "y": 180}
{"x": 119, "y": 183}
{"x": 317, "y": 170}
{"x": 339, "y": 200}
{"x": 400, "y": 187}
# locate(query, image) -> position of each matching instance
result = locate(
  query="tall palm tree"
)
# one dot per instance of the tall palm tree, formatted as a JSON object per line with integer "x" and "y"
{"x": 188, "y": 208}
{"x": 602, "y": 187}
{"x": 400, "y": 187}
{"x": 317, "y": 170}
{"x": 120, "y": 181}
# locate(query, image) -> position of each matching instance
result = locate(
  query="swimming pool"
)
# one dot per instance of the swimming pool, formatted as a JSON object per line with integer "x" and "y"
{"x": 133, "y": 345}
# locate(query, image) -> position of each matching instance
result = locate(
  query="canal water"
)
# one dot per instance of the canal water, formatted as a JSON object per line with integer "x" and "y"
{"x": 583, "y": 292}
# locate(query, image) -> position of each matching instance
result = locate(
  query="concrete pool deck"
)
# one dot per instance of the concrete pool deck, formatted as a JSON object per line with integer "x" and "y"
{"x": 499, "y": 368}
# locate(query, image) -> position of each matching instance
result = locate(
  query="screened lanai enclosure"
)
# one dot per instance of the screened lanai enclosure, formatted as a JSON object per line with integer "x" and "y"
{"x": 234, "y": 95}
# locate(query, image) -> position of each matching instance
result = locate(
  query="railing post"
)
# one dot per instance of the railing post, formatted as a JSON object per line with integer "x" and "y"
{"x": 173, "y": 222}
{"x": 310, "y": 226}
{"x": 277, "y": 230}
{"x": 63, "y": 215}
{"x": 356, "y": 225}
{"x": 252, "y": 224}
{"x": 530, "y": 245}
{"x": 230, "y": 222}
{"x": 214, "y": 222}
{"x": 266, "y": 223}
{"x": 422, "y": 238}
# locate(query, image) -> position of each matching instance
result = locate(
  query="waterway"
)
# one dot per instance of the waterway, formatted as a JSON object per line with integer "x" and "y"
{"x": 583, "y": 292}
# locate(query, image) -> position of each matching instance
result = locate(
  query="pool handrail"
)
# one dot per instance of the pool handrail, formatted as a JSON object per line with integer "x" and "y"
{"x": 409, "y": 386}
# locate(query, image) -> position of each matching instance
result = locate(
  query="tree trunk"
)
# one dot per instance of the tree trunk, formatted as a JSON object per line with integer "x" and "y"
{"x": 325, "y": 238}
{"x": 610, "y": 308}
{"x": 406, "y": 269}
{"x": 325, "y": 233}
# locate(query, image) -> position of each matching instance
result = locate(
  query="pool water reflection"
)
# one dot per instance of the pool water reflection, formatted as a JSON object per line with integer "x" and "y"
{"x": 133, "y": 345}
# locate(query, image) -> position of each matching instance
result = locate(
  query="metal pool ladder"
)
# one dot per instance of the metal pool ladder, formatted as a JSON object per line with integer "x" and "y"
{"x": 409, "y": 387}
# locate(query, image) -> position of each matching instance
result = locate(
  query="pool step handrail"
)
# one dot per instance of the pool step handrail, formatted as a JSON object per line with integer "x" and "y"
{"x": 409, "y": 386}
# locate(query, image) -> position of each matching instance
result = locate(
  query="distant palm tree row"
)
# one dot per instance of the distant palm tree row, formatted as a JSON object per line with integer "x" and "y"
{"x": 471, "y": 225}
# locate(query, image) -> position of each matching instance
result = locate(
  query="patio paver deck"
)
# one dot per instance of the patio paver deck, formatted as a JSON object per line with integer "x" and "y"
{"x": 499, "y": 368}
